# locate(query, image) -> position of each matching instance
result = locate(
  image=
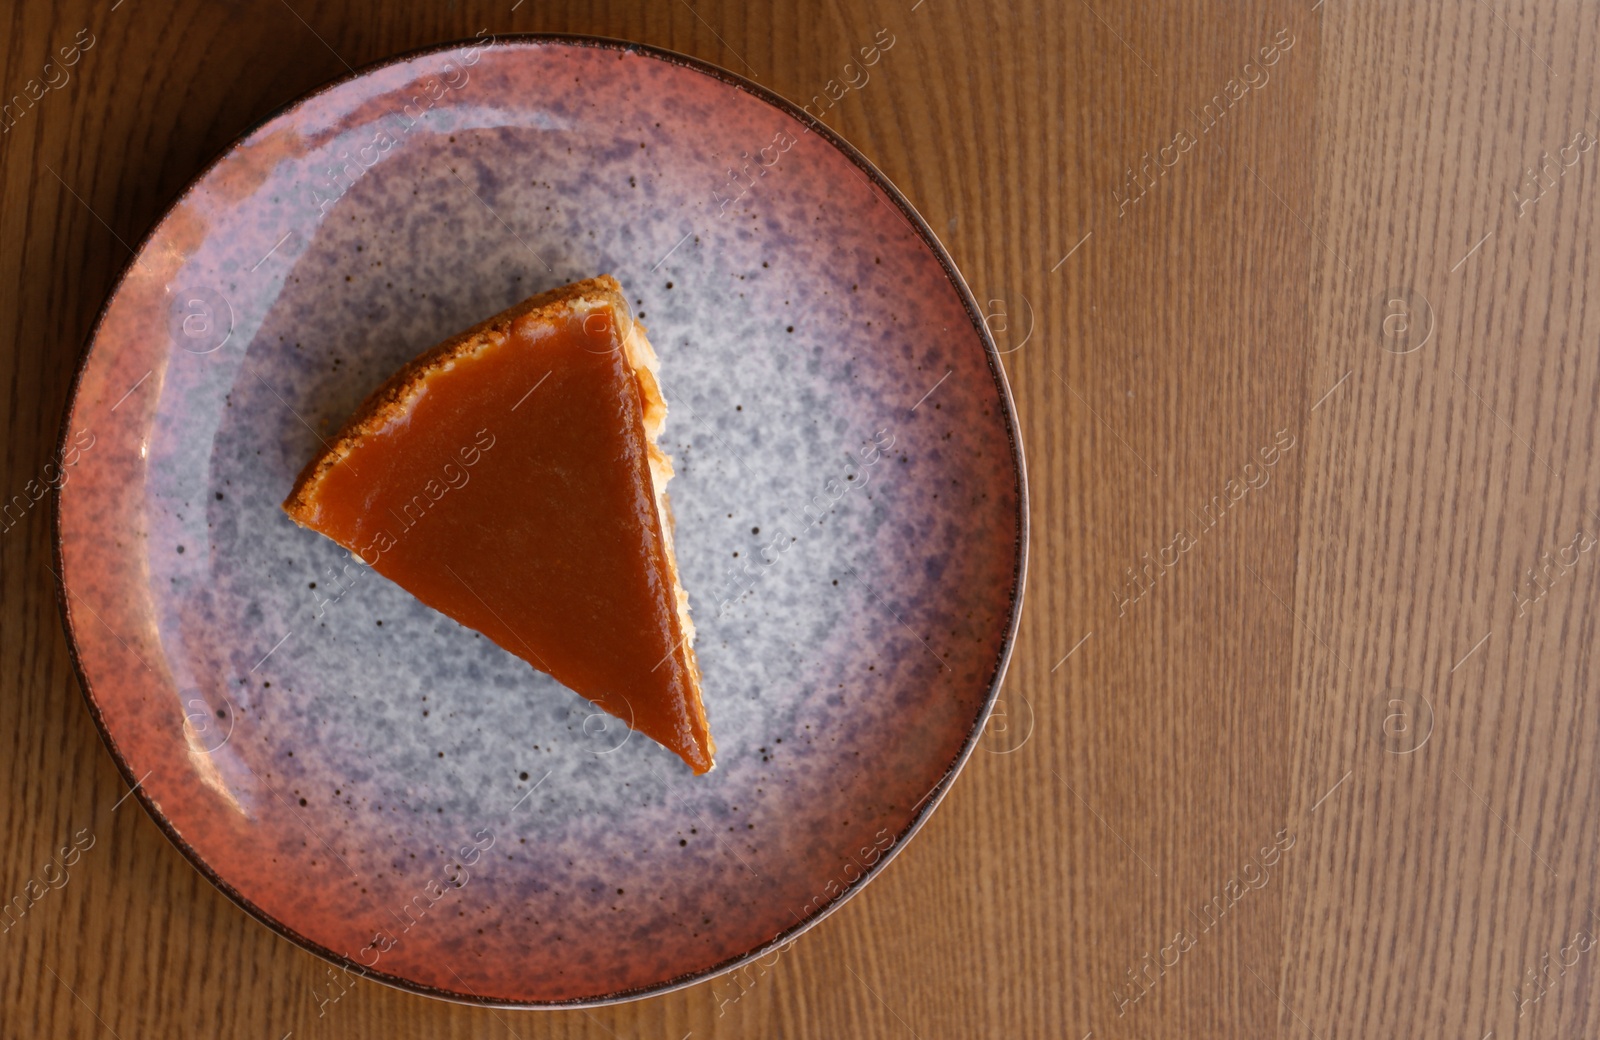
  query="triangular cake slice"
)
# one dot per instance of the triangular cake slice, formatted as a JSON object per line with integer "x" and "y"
{"x": 509, "y": 478}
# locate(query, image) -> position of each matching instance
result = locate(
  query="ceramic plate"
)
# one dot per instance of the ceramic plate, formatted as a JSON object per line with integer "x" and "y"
{"x": 391, "y": 790}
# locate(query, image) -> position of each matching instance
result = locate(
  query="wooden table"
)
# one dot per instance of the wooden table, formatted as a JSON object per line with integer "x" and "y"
{"x": 1299, "y": 734}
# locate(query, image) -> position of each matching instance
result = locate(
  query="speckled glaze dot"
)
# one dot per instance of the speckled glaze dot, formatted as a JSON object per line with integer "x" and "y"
{"x": 393, "y": 791}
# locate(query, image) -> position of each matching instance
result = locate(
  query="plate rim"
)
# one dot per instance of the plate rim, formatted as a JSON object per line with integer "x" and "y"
{"x": 941, "y": 787}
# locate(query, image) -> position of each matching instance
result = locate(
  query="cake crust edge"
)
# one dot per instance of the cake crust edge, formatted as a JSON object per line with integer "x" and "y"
{"x": 392, "y": 400}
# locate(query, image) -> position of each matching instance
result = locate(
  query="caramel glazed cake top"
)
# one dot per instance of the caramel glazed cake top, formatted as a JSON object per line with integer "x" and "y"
{"x": 392, "y": 402}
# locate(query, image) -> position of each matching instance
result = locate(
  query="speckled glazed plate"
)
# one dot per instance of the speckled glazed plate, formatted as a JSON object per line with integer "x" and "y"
{"x": 391, "y": 790}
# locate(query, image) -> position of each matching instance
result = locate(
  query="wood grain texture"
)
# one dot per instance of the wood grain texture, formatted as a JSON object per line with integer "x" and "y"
{"x": 1290, "y": 584}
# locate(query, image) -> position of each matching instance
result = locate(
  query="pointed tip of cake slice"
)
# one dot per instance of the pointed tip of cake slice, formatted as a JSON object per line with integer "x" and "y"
{"x": 392, "y": 401}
